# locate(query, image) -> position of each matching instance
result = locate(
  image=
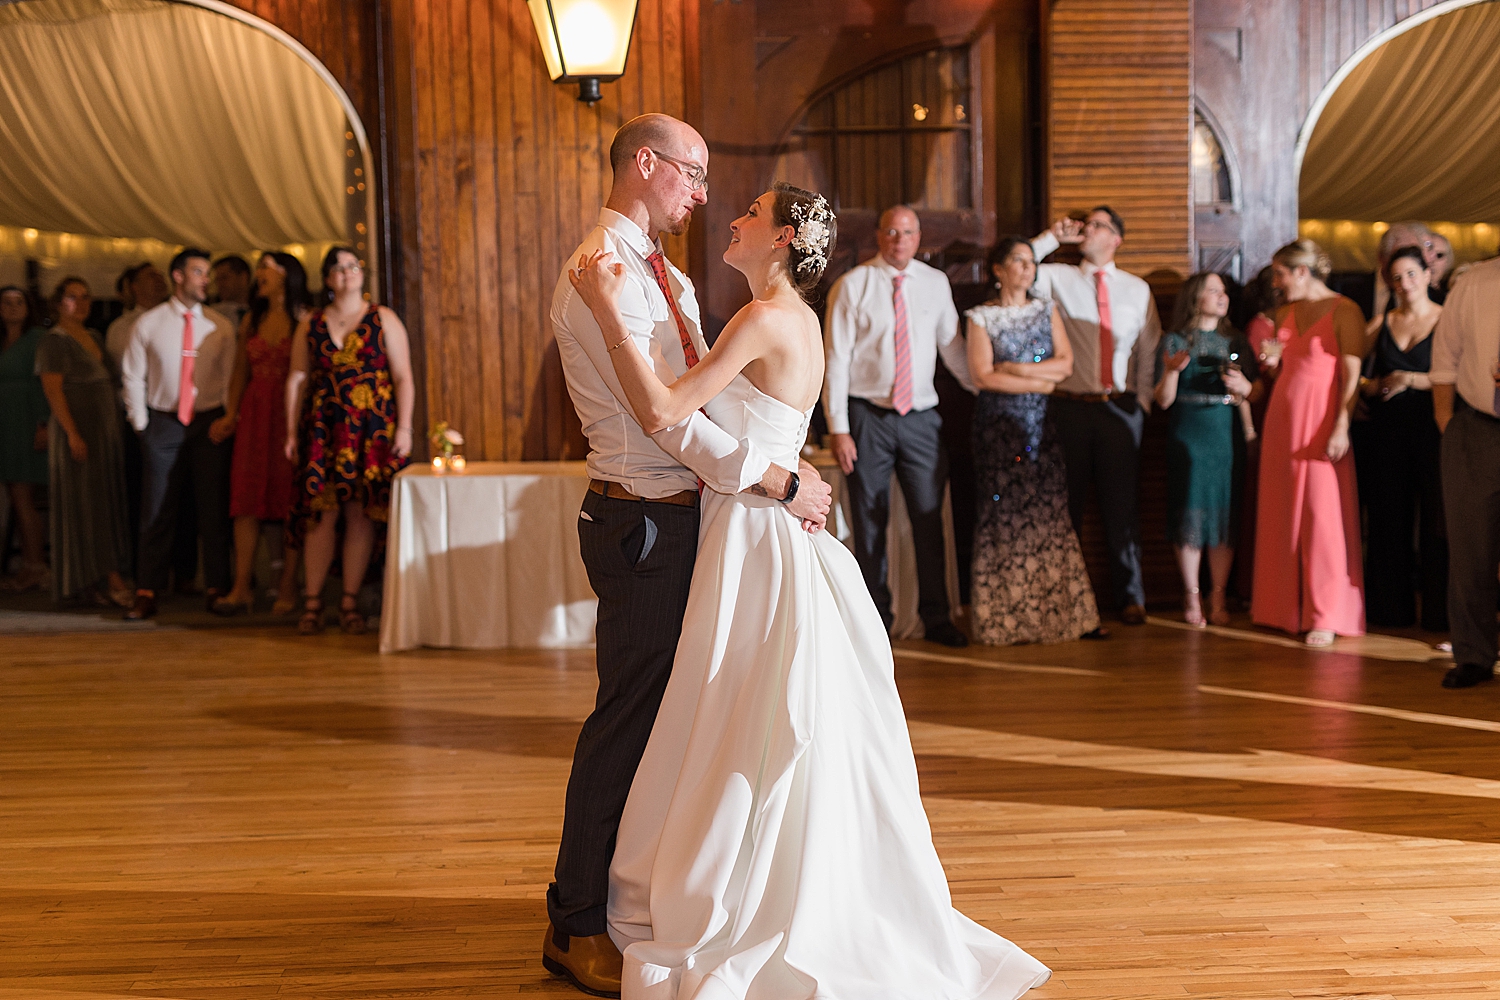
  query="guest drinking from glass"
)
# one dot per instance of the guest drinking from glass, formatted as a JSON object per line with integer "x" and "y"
{"x": 23, "y": 432}
{"x": 86, "y": 462}
{"x": 1308, "y": 576}
{"x": 353, "y": 435}
{"x": 260, "y": 479}
{"x": 1403, "y": 448}
{"x": 1029, "y": 580}
{"x": 1204, "y": 376}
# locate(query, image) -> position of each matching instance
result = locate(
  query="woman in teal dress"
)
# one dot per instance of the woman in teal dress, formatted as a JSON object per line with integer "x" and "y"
{"x": 1205, "y": 374}
{"x": 23, "y": 431}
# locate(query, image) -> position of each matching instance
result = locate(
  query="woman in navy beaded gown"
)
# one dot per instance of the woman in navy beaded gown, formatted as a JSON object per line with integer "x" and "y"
{"x": 1029, "y": 580}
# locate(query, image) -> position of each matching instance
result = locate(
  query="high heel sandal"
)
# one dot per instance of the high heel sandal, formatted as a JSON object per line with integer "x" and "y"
{"x": 227, "y": 608}
{"x": 1193, "y": 618}
{"x": 1218, "y": 614}
{"x": 351, "y": 622}
{"x": 311, "y": 622}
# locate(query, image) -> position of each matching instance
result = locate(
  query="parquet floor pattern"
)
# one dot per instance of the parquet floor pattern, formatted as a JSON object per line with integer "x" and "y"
{"x": 243, "y": 813}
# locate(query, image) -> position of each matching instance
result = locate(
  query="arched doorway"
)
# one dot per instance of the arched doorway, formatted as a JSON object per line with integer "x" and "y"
{"x": 1407, "y": 129}
{"x": 136, "y": 126}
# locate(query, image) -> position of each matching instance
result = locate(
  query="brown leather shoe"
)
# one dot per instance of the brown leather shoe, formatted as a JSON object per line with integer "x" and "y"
{"x": 592, "y": 964}
{"x": 143, "y": 608}
{"x": 1133, "y": 614}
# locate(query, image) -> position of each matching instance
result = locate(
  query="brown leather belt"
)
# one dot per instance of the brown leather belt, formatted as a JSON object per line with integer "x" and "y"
{"x": 617, "y": 491}
{"x": 1089, "y": 397}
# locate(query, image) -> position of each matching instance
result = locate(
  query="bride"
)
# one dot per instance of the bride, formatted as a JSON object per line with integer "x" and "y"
{"x": 774, "y": 845}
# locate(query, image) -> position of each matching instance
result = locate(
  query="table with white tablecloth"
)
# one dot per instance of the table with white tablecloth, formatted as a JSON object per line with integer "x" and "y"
{"x": 488, "y": 558}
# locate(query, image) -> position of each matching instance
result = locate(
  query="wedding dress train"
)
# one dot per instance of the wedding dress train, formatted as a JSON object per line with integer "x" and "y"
{"x": 774, "y": 845}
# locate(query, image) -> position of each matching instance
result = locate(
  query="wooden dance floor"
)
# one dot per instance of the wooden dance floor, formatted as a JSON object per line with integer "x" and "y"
{"x": 242, "y": 813}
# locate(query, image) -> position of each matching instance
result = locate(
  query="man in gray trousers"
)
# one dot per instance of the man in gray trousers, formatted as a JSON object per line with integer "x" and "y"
{"x": 638, "y": 527}
{"x": 888, "y": 319}
{"x": 1466, "y": 405}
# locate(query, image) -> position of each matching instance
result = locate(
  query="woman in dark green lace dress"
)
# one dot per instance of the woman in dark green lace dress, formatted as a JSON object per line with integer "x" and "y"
{"x": 1204, "y": 376}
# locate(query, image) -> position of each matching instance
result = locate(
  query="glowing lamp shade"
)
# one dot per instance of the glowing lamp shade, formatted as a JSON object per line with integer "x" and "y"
{"x": 584, "y": 41}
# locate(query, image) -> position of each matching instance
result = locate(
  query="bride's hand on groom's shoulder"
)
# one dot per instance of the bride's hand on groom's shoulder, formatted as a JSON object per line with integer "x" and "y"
{"x": 598, "y": 279}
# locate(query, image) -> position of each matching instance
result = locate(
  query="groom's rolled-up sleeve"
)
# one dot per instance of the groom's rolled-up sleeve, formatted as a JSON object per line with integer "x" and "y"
{"x": 725, "y": 464}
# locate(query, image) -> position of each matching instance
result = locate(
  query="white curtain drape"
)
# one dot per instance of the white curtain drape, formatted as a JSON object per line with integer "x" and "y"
{"x": 1414, "y": 131}
{"x": 150, "y": 119}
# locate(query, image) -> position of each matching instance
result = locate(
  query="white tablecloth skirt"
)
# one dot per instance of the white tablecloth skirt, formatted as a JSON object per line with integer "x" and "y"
{"x": 487, "y": 559}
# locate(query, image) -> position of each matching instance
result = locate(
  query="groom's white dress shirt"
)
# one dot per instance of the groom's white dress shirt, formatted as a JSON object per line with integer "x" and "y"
{"x": 674, "y": 459}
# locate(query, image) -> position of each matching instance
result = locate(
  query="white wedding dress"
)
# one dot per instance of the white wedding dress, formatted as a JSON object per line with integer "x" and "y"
{"x": 774, "y": 845}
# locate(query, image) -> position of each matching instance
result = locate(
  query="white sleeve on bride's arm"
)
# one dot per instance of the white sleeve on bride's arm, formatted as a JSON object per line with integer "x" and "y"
{"x": 725, "y": 464}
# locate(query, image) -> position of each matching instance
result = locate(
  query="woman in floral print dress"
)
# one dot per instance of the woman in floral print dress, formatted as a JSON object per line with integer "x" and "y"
{"x": 351, "y": 436}
{"x": 1029, "y": 579}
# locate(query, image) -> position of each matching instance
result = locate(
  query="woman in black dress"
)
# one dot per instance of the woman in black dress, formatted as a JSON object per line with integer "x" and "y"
{"x": 1403, "y": 487}
{"x": 1029, "y": 579}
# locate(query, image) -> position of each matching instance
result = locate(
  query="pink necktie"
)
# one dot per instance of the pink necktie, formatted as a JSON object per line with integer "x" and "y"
{"x": 1106, "y": 334}
{"x": 901, "y": 380}
{"x": 659, "y": 268}
{"x": 185, "y": 391}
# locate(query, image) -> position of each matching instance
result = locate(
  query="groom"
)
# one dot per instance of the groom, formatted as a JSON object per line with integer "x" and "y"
{"x": 638, "y": 528}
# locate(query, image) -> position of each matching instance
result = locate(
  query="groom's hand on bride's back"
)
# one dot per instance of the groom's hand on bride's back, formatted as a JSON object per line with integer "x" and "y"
{"x": 813, "y": 500}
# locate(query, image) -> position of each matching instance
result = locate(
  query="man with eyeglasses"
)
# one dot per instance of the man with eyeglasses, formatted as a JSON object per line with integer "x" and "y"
{"x": 638, "y": 526}
{"x": 888, "y": 319}
{"x": 1100, "y": 410}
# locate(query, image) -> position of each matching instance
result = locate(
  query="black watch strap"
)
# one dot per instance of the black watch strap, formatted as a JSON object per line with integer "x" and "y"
{"x": 791, "y": 491}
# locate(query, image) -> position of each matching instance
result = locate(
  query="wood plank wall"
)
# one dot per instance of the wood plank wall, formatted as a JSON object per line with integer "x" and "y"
{"x": 1120, "y": 121}
{"x": 489, "y": 176}
{"x": 507, "y": 172}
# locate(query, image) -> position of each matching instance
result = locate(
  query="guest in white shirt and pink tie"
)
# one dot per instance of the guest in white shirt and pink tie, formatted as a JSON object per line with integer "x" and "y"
{"x": 175, "y": 374}
{"x": 1466, "y": 405}
{"x": 1100, "y": 410}
{"x": 888, "y": 319}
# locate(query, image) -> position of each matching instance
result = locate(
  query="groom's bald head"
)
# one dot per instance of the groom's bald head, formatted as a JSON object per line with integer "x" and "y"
{"x": 654, "y": 131}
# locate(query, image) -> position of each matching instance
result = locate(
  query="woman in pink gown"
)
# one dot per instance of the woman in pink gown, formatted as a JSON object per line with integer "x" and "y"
{"x": 1308, "y": 576}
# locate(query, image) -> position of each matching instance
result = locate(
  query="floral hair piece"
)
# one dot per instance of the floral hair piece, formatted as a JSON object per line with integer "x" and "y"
{"x": 812, "y": 232}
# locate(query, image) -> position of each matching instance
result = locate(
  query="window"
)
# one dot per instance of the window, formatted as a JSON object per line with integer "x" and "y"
{"x": 898, "y": 134}
{"x": 1211, "y": 185}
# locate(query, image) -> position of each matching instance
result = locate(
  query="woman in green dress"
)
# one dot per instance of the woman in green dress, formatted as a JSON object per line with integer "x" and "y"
{"x": 23, "y": 431}
{"x": 90, "y": 540}
{"x": 1205, "y": 374}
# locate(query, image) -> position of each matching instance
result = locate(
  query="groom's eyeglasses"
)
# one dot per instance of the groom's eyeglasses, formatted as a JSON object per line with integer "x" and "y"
{"x": 695, "y": 175}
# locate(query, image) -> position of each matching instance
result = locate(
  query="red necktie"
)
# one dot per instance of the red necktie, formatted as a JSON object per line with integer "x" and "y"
{"x": 901, "y": 378}
{"x": 1106, "y": 334}
{"x": 185, "y": 390}
{"x": 659, "y": 268}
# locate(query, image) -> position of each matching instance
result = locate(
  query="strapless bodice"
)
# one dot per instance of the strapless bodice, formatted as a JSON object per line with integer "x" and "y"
{"x": 774, "y": 427}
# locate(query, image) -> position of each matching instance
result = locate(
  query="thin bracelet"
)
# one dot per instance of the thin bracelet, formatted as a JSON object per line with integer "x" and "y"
{"x": 621, "y": 343}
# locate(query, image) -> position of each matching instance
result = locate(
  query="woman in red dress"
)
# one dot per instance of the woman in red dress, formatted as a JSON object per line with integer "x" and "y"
{"x": 354, "y": 434}
{"x": 260, "y": 478}
{"x": 1308, "y": 574}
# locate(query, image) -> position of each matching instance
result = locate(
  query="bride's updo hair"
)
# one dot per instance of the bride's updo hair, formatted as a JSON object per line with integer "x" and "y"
{"x": 817, "y": 231}
{"x": 1304, "y": 253}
